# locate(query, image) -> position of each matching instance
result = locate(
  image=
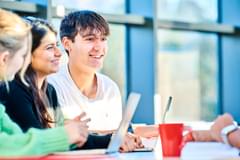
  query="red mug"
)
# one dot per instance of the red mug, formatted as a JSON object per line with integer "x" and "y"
{"x": 171, "y": 135}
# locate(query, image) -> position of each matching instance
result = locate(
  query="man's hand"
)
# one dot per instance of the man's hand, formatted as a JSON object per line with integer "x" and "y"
{"x": 130, "y": 143}
{"x": 219, "y": 124}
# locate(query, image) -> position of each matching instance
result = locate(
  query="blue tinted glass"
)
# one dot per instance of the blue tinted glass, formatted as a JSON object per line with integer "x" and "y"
{"x": 187, "y": 70}
{"x": 188, "y": 10}
{"x": 104, "y": 6}
{"x": 114, "y": 64}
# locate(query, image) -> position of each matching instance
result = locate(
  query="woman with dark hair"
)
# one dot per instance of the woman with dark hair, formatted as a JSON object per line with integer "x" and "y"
{"x": 36, "y": 105}
{"x": 15, "y": 40}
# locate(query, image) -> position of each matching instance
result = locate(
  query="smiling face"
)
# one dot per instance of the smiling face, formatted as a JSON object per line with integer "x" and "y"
{"x": 46, "y": 58}
{"x": 87, "y": 51}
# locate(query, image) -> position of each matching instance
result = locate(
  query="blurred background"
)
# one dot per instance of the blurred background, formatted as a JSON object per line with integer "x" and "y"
{"x": 187, "y": 49}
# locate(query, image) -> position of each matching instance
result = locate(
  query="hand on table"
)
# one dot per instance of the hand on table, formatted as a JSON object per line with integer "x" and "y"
{"x": 130, "y": 143}
{"x": 219, "y": 124}
{"x": 214, "y": 134}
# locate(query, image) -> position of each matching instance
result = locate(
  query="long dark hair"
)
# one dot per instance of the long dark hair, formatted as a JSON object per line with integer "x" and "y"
{"x": 39, "y": 29}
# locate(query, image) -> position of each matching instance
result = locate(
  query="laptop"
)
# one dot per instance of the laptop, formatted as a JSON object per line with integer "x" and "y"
{"x": 118, "y": 137}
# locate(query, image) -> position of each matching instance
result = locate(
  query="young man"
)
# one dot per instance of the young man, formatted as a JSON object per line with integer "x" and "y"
{"x": 79, "y": 87}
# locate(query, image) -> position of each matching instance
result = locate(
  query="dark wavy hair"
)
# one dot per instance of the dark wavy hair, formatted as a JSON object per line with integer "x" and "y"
{"x": 40, "y": 28}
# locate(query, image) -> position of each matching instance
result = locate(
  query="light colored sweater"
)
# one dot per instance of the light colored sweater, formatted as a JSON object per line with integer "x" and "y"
{"x": 13, "y": 142}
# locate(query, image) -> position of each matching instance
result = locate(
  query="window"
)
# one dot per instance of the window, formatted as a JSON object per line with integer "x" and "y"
{"x": 188, "y": 10}
{"x": 107, "y": 6}
{"x": 114, "y": 64}
{"x": 187, "y": 70}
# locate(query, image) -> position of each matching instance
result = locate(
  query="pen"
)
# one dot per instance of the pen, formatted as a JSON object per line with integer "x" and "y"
{"x": 167, "y": 108}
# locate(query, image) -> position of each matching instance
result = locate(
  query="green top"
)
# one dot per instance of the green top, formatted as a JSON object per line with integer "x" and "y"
{"x": 13, "y": 142}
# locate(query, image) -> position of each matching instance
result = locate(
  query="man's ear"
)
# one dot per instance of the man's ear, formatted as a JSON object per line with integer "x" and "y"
{"x": 4, "y": 58}
{"x": 66, "y": 42}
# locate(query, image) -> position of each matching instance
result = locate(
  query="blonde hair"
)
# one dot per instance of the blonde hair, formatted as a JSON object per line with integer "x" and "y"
{"x": 13, "y": 31}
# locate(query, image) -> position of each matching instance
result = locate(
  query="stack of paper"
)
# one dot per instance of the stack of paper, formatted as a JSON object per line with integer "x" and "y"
{"x": 208, "y": 150}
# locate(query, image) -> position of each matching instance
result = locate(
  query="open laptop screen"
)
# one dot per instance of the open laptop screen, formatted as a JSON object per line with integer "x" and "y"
{"x": 129, "y": 111}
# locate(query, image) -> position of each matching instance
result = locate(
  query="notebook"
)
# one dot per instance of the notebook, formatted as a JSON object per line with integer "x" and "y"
{"x": 118, "y": 137}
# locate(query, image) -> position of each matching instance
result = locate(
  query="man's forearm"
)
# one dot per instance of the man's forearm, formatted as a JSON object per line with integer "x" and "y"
{"x": 202, "y": 135}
